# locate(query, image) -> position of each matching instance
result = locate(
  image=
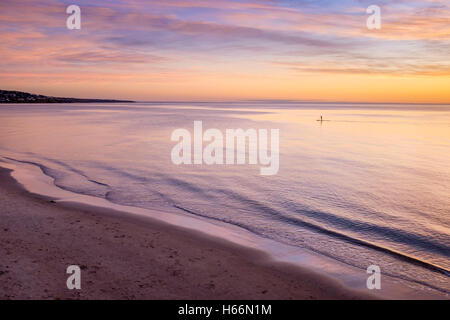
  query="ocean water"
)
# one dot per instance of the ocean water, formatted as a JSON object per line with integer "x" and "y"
{"x": 370, "y": 186}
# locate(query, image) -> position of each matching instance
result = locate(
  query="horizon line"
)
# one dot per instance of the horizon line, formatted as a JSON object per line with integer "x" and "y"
{"x": 241, "y": 100}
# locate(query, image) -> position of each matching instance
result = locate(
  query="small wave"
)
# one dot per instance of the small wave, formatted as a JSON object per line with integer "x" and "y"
{"x": 342, "y": 236}
{"x": 99, "y": 183}
{"x": 395, "y": 234}
{"x": 401, "y": 256}
{"x": 51, "y": 173}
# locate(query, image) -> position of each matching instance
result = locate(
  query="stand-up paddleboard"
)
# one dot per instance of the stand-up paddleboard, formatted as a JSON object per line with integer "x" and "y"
{"x": 321, "y": 119}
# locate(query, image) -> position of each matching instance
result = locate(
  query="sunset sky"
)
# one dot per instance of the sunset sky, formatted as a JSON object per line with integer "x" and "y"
{"x": 228, "y": 50}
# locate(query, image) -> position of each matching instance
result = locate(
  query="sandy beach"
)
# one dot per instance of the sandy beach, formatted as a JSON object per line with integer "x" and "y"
{"x": 127, "y": 258}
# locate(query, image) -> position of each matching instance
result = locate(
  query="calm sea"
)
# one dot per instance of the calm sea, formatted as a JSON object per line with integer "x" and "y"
{"x": 370, "y": 186}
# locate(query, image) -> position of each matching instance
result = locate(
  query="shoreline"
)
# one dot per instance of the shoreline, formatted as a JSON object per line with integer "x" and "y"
{"x": 128, "y": 258}
{"x": 323, "y": 277}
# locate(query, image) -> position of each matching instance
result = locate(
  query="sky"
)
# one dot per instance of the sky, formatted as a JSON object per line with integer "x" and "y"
{"x": 318, "y": 50}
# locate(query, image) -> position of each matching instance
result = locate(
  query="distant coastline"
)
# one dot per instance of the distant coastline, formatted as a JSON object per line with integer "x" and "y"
{"x": 24, "y": 97}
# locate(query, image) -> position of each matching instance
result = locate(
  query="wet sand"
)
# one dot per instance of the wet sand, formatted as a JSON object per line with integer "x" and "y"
{"x": 124, "y": 257}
